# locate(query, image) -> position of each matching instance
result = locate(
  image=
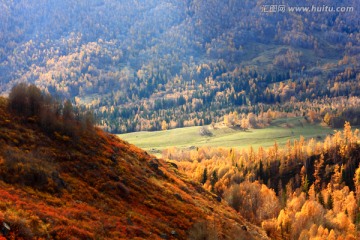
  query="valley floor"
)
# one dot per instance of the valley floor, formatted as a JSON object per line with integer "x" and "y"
{"x": 280, "y": 130}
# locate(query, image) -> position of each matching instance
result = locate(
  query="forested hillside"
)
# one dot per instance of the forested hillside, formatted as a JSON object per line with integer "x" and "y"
{"x": 305, "y": 190}
{"x": 140, "y": 63}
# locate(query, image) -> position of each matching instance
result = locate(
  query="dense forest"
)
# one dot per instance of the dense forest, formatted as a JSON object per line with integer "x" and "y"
{"x": 305, "y": 190}
{"x": 148, "y": 65}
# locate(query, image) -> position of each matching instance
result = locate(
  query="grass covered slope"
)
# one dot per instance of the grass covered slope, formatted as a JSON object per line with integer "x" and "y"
{"x": 96, "y": 186}
{"x": 280, "y": 130}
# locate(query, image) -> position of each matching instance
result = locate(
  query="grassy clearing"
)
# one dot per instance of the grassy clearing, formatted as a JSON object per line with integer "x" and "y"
{"x": 280, "y": 130}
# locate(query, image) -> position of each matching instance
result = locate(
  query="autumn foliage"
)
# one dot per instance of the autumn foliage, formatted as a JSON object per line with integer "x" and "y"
{"x": 305, "y": 190}
{"x": 96, "y": 186}
{"x": 183, "y": 62}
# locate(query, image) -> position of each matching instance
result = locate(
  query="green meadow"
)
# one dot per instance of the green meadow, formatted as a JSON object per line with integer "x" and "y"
{"x": 280, "y": 130}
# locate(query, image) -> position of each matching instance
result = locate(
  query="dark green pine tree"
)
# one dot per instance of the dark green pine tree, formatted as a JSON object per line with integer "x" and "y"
{"x": 329, "y": 202}
{"x": 305, "y": 187}
{"x": 204, "y": 176}
{"x": 261, "y": 170}
{"x": 213, "y": 180}
{"x": 321, "y": 199}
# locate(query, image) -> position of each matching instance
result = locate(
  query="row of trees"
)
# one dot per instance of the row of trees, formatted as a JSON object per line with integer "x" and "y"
{"x": 332, "y": 111}
{"x": 52, "y": 115}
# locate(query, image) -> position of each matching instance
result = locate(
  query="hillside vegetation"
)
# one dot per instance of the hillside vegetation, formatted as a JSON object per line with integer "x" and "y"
{"x": 139, "y": 64}
{"x": 83, "y": 183}
{"x": 307, "y": 189}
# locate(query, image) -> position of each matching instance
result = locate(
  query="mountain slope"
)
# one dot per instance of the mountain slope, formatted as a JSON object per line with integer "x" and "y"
{"x": 95, "y": 186}
{"x": 185, "y": 62}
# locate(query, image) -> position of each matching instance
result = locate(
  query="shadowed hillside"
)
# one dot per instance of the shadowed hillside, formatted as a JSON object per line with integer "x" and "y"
{"x": 94, "y": 186}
